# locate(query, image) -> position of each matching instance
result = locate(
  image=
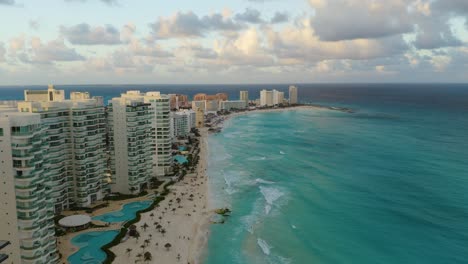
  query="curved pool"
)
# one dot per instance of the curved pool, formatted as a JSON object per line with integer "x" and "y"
{"x": 90, "y": 244}
{"x": 128, "y": 212}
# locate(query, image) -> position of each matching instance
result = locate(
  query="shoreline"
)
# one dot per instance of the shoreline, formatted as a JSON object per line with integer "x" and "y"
{"x": 184, "y": 215}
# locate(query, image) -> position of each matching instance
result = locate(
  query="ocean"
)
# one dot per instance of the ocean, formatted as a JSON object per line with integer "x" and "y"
{"x": 385, "y": 184}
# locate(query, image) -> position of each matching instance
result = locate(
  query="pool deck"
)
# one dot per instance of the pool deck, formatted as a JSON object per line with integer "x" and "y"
{"x": 66, "y": 248}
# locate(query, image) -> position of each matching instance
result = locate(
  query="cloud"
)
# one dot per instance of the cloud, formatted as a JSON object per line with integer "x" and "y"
{"x": 108, "y": 2}
{"x": 336, "y": 20}
{"x": 250, "y": 15}
{"x": 434, "y": 33}
{"x": 151, "y": 50}
{"x": 299, "y": 44}
{"x": 2, "y": 52}
{"x": 7, "y": 2}
{"x": 127, "y": 32}
{"x": 83, "y": 34}
{"x": 34, "y": 24}
{"x": 189, "y": 25}
{"x": 51, "y": 51}
{"x": 279, "y": 17}
{"x": 16, "y": 44}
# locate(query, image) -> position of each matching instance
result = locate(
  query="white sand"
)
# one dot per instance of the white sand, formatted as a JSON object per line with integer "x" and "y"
{"x": 186, "y": 228}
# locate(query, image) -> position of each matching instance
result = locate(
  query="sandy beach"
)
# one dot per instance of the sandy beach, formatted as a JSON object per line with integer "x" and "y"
{"x": 186, "y": 227}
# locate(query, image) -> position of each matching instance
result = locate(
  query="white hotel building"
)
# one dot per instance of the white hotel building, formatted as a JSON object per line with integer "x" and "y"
{"x": 26, "y": 210}
{"x": 271, "y": 98}
{"x": 76, "y": 163}
{"x": 160, "y": 129}
{"x": 131, "y": 152}
{"x": 182, "y": 122}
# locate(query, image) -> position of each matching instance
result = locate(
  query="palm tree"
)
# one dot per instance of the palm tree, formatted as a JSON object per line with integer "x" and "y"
{"x": 144, "y": 226}
{"x": 129, "y": 250}
{"x": 152, "y": 216}
{"x": 137, "y": 236}
{"x": 163, "y": 231}
{"x": 173, "y": 210}
{"x": 143, "y": 247}
{"x": 168, "y": 246}
{"x": 147, "y": 256}
{"x": 147, "y": 241}
{"x": 139, "y": 255}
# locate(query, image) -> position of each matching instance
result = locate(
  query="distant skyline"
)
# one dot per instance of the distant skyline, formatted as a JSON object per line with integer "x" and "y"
{"x": 235, "y": 42}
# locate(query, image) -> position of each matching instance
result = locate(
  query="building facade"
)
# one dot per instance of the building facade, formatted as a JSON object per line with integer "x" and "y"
{"x": 160, "y": 131}
{"x": 293, "y": 95}
{"x": 244, "y": 96}
{"x": 178, "y": 100}
{"x": 44, "y": 95}
{"x": 182, "y": 123}
{"x": 76, "y": 160}
{"x": 230, "y": 105}
{"x": 199, "y": 118}
{"x": 131, "y": 149}
{"x": 266, "y": 98}
{"x": 26, "y": 210}
{"x": 278, "y": 97}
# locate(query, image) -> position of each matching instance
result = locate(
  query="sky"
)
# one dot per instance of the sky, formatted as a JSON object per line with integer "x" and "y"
{"x": 237, "y": 41}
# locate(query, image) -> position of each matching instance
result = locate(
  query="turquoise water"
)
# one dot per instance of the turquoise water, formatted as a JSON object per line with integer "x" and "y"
{"x": 128, "y": 212}
{"x": 90, "y": 244}
{"x": 180, "y": 159}
{"x": 383, "y": 185}
{"x": 182, "y": 148}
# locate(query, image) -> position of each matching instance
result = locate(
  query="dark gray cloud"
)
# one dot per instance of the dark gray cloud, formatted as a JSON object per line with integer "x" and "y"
{"x": 279, "y": 17}
{"x": 190, "y": 25}
{"x": 84, "y": 34}
{"x": 454, "y": 6}
{"x": 434, "y": 33}
{"x": 7, "y": 2}
{"x": 249, "y": 15}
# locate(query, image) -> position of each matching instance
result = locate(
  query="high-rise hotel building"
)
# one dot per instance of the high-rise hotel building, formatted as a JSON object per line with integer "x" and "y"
{"x": 129, "y": 121}
{"x": 292, "y": 95}
{"x": 75, "y": 131}
{"x": 244, "y": 96}
{"x": 139, "y": 130}
{"x": 26, "y": 207}
{"x": 160, "y": 129}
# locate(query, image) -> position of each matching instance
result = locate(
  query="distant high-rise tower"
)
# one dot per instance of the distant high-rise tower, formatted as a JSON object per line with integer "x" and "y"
{"x": 292, "y": 94}
{"x": 244, "y": 96}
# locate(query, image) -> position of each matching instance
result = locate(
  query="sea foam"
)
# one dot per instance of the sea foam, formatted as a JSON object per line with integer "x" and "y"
{"x": 270, "y": 194}
{"x": 264, "y": 246}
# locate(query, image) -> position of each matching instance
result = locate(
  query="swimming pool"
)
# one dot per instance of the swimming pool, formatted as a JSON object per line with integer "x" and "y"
{"x": 128, "y": 212}
{"x": 90, "y": 244}
{"x": 182, "y": 148}
{"x": 180, "y": 159}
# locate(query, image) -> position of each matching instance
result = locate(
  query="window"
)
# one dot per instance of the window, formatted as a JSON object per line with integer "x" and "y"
{"x": 1, "y": 132}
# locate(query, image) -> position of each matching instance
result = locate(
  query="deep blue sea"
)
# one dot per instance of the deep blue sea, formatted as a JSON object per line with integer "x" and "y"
{"x": 385, "y": 184}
